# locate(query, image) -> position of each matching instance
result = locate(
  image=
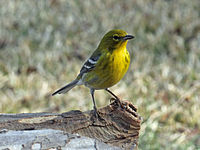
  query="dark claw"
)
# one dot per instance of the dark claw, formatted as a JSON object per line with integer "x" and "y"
{"x": 96, "y": 116}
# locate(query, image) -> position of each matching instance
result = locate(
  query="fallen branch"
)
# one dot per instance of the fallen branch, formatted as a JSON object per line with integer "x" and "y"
{"x": 118, "y": 126}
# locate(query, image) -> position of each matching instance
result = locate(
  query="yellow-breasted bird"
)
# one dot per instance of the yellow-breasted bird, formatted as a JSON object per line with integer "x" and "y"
{"x": 106, "y": 66}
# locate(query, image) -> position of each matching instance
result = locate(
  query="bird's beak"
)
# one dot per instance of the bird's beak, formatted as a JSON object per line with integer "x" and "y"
{"x": 128, "y": 37}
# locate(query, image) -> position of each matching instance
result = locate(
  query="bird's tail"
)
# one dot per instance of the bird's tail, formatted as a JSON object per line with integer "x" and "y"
{"x": 66, "y": 88}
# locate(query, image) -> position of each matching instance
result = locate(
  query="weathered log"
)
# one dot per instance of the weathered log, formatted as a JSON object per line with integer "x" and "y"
{"x": 48, "y": 139}
{"x": 118, "y": 125}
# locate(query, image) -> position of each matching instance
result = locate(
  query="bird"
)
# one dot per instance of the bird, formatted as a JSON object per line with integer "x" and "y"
{"x": 105, "y": 67}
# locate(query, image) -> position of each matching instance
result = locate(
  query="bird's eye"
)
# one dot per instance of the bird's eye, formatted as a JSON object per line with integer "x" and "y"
{"x": 116, "y": 37}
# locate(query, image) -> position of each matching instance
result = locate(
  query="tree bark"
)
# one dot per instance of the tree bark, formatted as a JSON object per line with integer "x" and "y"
{"x": 118, "y": 125}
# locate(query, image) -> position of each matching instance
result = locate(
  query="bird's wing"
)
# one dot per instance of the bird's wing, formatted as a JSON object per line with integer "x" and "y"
{"x": 90, "y": 63}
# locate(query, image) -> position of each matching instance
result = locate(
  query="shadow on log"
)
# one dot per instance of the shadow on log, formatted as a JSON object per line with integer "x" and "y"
{"x": 118, "y": 126}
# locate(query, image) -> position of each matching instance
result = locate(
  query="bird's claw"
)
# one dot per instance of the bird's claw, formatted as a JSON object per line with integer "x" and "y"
{"x": 117, "y": 101}
{"x": 96, "y": 116}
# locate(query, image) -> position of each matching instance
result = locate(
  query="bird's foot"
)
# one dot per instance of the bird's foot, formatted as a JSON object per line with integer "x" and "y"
{"x": 117, "y": 101}
{"x": 96, "y": 116}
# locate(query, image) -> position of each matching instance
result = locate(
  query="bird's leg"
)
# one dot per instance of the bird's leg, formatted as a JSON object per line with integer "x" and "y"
{"x": 116, "y": 98}
{"x": 112, "y": 94}
{"x": 94, "y": 104}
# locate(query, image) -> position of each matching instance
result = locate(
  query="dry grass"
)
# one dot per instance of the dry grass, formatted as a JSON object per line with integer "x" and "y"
{"x": 44, "y": 43}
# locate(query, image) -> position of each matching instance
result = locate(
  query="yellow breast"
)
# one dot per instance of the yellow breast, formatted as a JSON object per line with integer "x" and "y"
{"x": 109, "y": 70}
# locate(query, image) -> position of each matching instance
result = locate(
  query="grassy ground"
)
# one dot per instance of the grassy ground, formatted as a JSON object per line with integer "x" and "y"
{"x": 44, "y": 43}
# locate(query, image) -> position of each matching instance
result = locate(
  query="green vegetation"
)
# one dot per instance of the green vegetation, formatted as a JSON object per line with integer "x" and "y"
{"x": 43, "y": 44}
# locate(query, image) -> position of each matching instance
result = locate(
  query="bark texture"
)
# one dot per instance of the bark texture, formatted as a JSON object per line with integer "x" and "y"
{"x": 118, "y": 126}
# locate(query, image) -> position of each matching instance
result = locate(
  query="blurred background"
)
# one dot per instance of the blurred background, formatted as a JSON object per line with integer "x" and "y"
{"x": 43, "y": 45}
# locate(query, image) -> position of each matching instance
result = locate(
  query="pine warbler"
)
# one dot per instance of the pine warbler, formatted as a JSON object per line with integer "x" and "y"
{"x": 105, "y": 67}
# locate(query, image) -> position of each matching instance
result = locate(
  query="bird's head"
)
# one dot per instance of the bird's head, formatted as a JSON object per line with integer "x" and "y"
{"x": 115, "y": 39}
